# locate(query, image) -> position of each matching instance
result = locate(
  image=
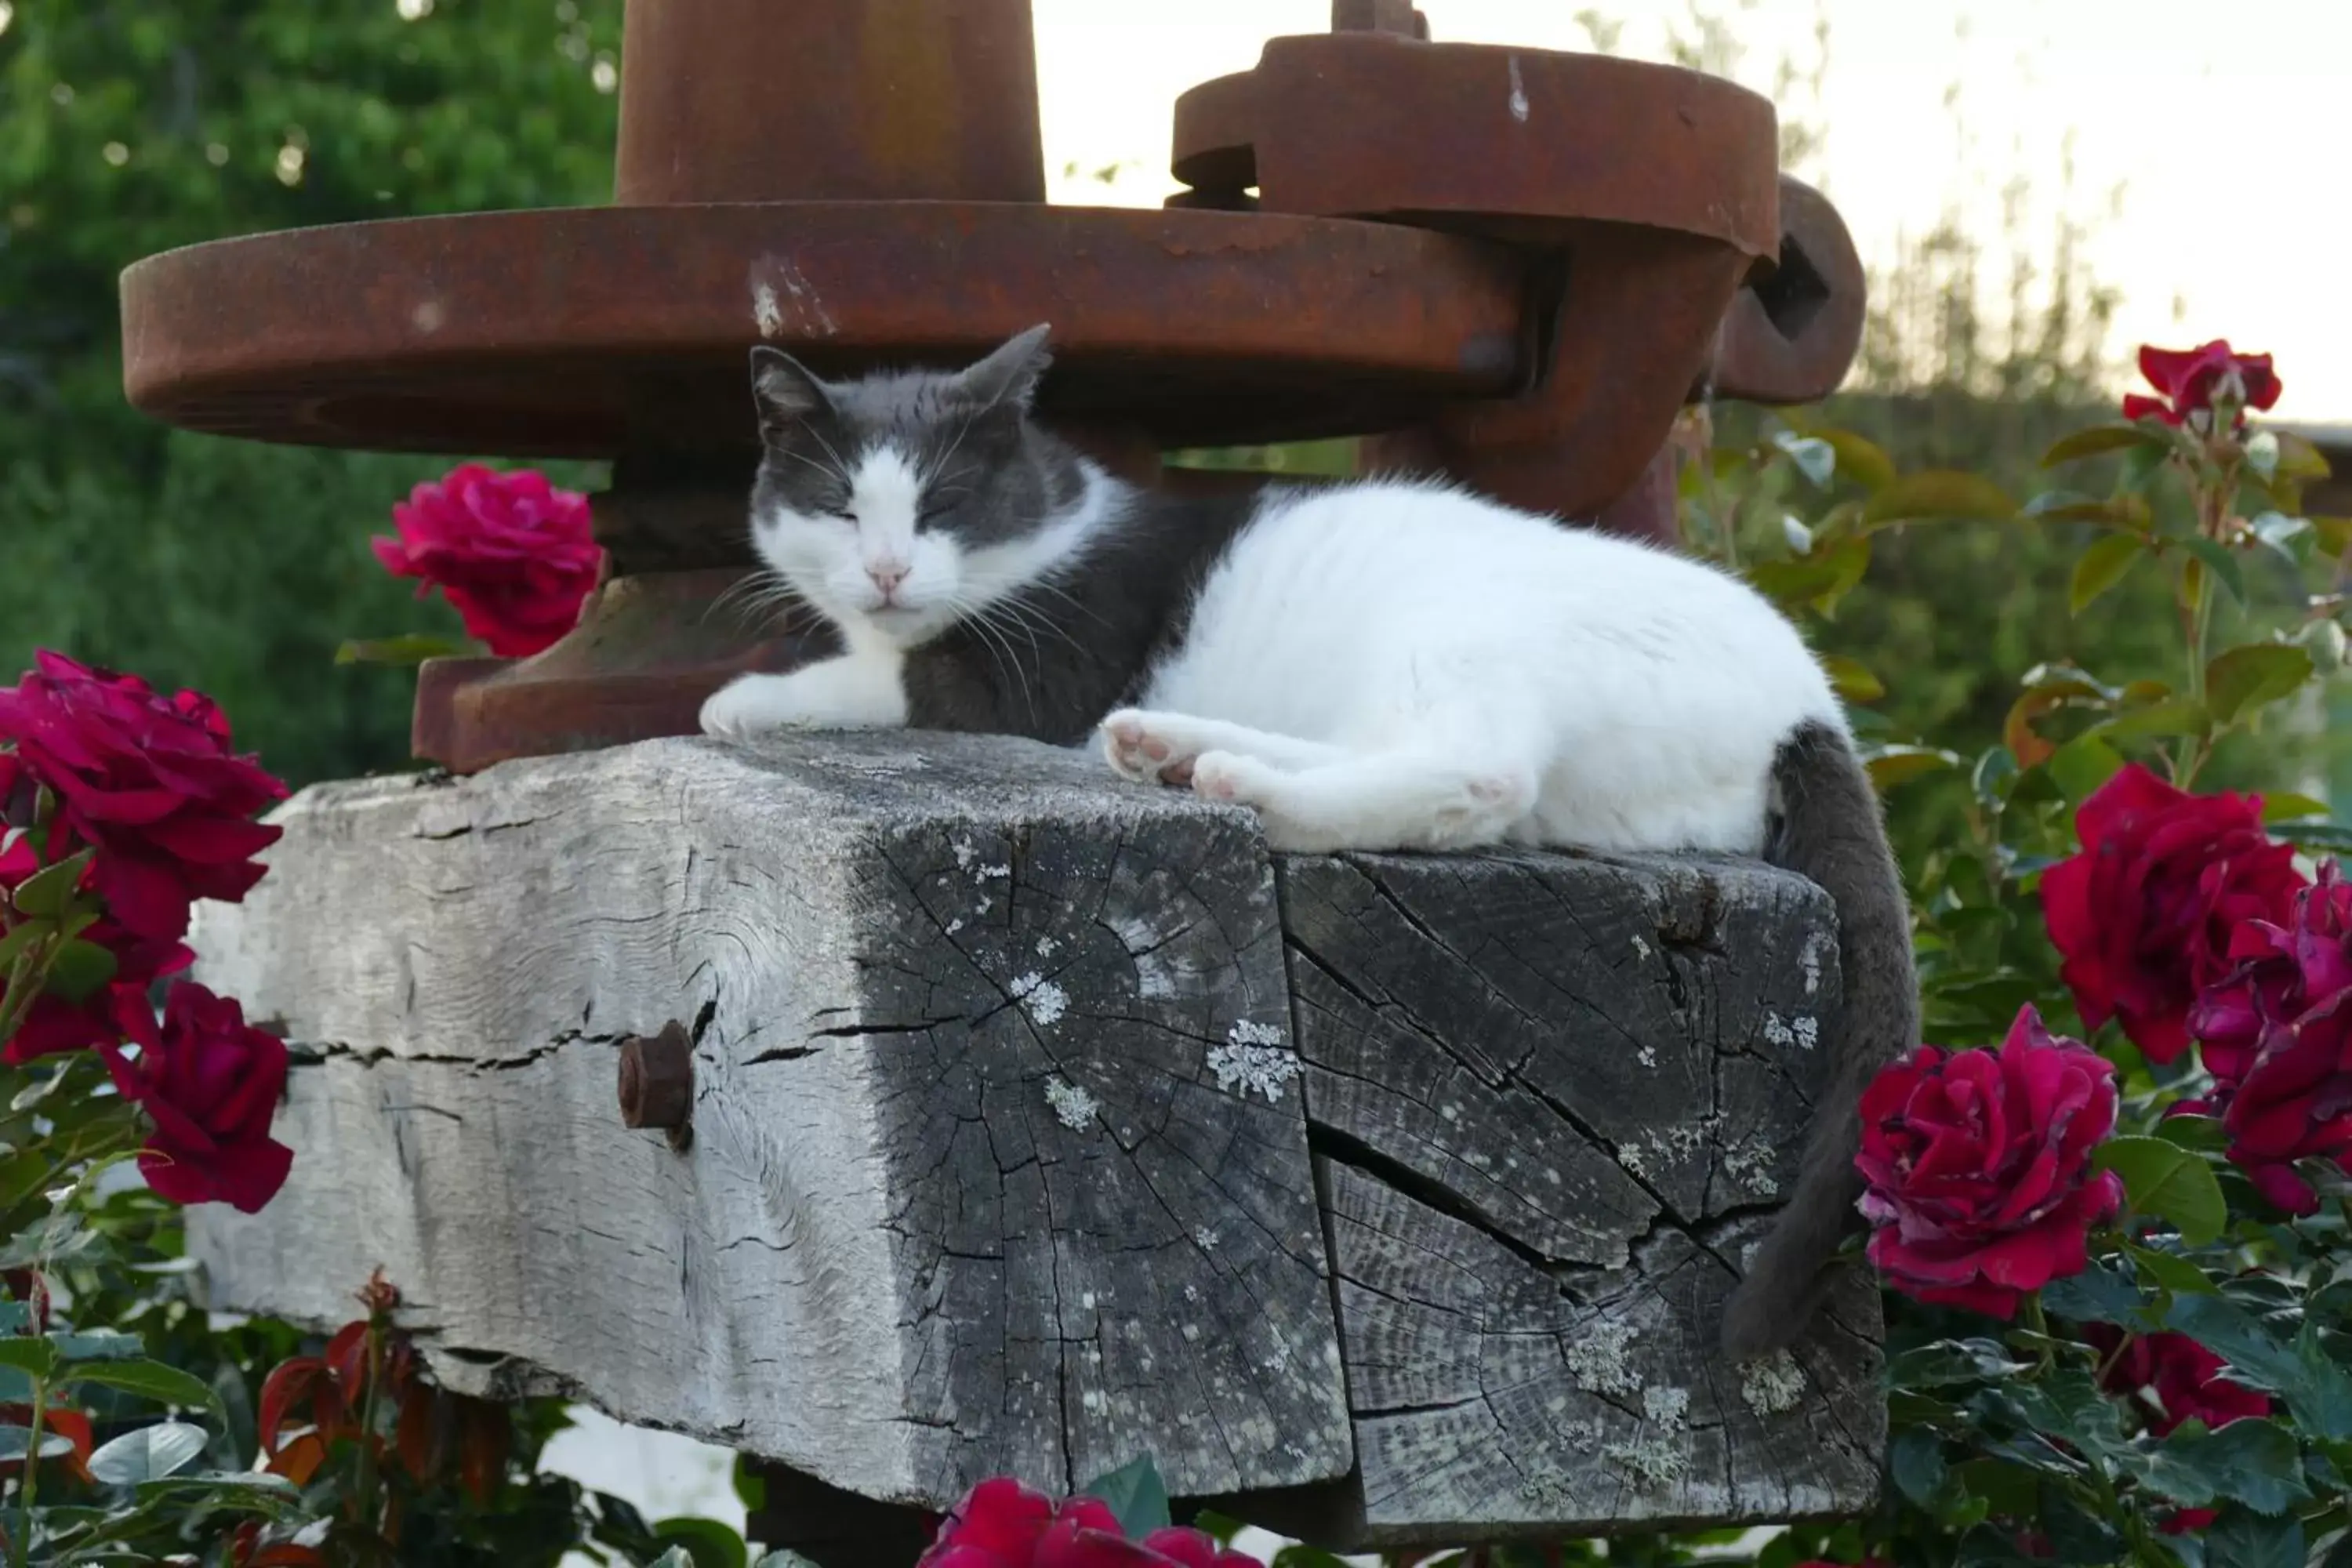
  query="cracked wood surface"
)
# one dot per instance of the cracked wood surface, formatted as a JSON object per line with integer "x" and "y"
{"x": 964, "y": 1196}
{"x": 1552, "y": 1097}
{"x": 999, "y": 1161}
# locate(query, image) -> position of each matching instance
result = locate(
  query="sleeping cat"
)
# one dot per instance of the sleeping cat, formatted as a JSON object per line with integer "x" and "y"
{"x": 1373, "y": 666}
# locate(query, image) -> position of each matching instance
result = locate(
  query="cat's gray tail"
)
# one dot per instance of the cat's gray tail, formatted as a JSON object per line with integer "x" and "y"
{"x": 1829, "y": 829}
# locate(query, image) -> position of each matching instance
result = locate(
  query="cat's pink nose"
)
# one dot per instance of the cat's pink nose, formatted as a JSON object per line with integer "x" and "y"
{"x": 887, "y": 579}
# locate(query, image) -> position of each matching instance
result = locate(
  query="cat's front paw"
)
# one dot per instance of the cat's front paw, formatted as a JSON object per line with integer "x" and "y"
{"x": 745, "y": 706}
{"x": 1139, "y": 749}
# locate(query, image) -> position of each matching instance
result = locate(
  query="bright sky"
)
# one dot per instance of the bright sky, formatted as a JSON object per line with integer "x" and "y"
{"x": 2222, "y": 122}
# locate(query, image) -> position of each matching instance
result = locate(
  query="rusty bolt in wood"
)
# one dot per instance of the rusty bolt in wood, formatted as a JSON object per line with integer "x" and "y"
{"x": 657, "y": 1083}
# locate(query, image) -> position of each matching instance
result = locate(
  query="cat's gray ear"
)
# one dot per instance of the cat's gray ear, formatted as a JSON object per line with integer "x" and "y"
{"x": 1008, "y": 375}
{"x": 784, "y": 390}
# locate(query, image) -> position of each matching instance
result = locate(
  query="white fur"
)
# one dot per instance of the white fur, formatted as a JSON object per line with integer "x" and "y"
{"x": 831, "y": 562}
{"x": 1390, "y": 665}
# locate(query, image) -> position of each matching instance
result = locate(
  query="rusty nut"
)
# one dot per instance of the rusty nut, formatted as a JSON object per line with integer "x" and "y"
{"x": 657, "y": 1078}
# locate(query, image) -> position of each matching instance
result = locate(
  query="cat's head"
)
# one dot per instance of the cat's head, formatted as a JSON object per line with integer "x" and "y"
{"x": 905, "y": 500}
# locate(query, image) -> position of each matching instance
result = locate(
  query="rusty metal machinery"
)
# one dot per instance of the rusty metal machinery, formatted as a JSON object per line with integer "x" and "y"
{"x": 1513, "y": 265}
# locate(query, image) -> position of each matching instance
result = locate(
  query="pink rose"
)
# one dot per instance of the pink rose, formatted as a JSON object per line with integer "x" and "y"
{"x": 210, "y": 1083}
{"x": 150, "y": 782}
{"x": 512, "y": 552}
{"x": 1977, "y": 1165}
{"x": 2144, "y": 914}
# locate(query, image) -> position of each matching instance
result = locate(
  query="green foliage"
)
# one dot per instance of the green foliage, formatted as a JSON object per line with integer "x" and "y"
{"x": 134, "y": 126}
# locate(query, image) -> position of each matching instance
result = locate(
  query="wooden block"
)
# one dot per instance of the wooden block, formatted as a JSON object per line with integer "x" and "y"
{"x": 965, "y": 1193}
{"x": 1553, "y": 1097}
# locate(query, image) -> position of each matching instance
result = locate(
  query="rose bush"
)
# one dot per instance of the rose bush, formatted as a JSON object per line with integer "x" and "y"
{"x": 513, "y": 553}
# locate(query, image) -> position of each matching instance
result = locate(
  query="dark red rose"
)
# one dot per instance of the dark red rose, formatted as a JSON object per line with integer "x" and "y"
{"x": 54, "y": 1025}
{"x": 2144, "y": 914}
{"x": 512, "y": 552}
{"x": 210, "y": 1083}
{"x": 2170, "y": 1378}
{"x": 1001, "y": 1523}
{"x": 149, "y": 781}
{"x": 2188, "y": 1521}
{"x": 1979, "y": 1167}
{"x": 2190, "y": 381}
{"x": 2277, "y": 1038}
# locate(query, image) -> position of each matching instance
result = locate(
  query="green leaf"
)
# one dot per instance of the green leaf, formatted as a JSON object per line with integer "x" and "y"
{"x": 1307, "y": 1557}
{"x": 1136, "y": 1494}
{"x": 1949, "y": 1361}
{"x": 1815, "y": 458}
{"x": 2242, "y": 1537}
{"x": 708, "y": 1543}
{"x": 34, "y": 1358}
{"x": 1851, "y": 679}
{"x": 2097, "y": 1295}
{"x": 79, "y": 970}
{"x": 2097, "y": 438}
{"x": 2314, "y": 835}
{"x": 2126, "y": 512}
{"x": 2175, "y": 716}
{"x": 46, "y": 893}
{"x": 2286, "y": 806}
{"x": 1217, "y": 1527}
{"x": 2292, "y": 537}
{"x": 148, "y": 1454}
{"x": 16, "y": 939}
{"x": 2083, "y": 763}
{"x": 2176, "y": 1275}
{"x": 15, "y": 1440}
{"x": 2244, "y": 678}
{"x": 2221, "y": 564}
{"x": 1891, "y": 765}
{"x": 2194, "y": 1132}
{"x": 675, "y": 1557}
{"x": 1915, "y": 1461}
{"x": 785, "y": 1557}
{"x": 1861, "y": 460}
{"x": 148, "y": 1379}
{"x": 2163, "y": 1179}
{"x": 2102, "y": 566}
{"x": 413, "y": 649}
{"x": 1938, "y": 493}
{"x": 2263, "y": 454}
{"x": 2252, "y": 1461}
{"x": 98, "y": 1344}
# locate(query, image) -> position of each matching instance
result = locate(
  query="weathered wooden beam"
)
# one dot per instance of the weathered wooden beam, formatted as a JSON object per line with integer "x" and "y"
{"x": 963, "y": 1194}
{"x": 997, "y": 1161}
{"x": 1553, "y": 1097}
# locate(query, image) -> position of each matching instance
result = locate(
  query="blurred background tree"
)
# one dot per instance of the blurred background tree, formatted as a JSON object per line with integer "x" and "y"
{"x": 128, "y": 127}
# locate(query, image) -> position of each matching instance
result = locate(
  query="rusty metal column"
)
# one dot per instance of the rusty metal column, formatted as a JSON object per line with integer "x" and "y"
{"x": 777, "y": 100}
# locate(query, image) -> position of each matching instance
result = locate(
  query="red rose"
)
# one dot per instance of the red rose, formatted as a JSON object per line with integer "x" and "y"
{"x": 2144, "y": 914}
{"x": 1001, "y": 1523}
{"x": 53, "y": 1024}
{"x": 2190, "y": 379}
{"x": 2277, "y": 1034}
{"x": 210, "y": 1083}
{"x": 150, "y": 782}
{"x": 1977, "y": 1164}
{"x": 2188, "y": 1521}
{"x": 511, "y": 551}
{"x": 2170, "y": 1378}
